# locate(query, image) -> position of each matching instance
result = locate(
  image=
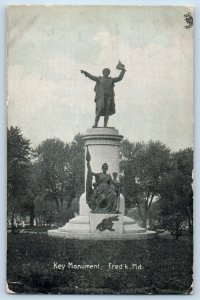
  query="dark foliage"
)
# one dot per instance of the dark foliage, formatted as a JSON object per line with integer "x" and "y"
{"x": 176, "y": 192}
{"x": 143, "y": 165}
{"x": 18, "y": 157}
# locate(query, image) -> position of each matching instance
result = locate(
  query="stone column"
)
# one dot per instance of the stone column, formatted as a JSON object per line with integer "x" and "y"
{"x": 104, "y": 146}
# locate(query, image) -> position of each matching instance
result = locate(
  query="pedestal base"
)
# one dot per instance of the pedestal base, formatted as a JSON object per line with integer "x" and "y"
{"x": 78, "y": 225}
{"x": 104, "y": 147}
{"x": 85, "y": 228}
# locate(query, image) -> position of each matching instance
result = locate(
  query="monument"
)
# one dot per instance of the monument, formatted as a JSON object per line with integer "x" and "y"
{"x": 102, "y": 206}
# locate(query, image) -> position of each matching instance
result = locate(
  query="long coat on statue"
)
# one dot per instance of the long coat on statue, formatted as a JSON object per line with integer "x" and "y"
{"x": 99, "y": 90}
{"x": 100, "y": 99}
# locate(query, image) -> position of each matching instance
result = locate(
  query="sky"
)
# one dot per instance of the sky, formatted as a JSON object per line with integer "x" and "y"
{"x": 48, "y": 97}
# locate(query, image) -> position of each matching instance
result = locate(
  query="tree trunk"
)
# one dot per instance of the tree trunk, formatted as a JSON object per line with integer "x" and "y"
{"x": 61, "y": 204}
{"x": 57, "y": 203}
{"x": 141, "y": 216}
{"x": 178, "y": 231}
{"x": 32, "y": 216}
{"x": 148, "y": 208}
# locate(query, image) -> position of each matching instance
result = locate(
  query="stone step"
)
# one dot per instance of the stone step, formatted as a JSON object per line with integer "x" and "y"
{"x": 80, "y": 220}
{"x": 78, "y": 228}
{"x": 89, "y": 236}
{"x": 127, "y": 220}
{"x": 133, "y": 228}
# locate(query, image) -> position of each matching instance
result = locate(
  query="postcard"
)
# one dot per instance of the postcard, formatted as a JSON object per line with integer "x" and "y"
{"x": 100, "y": 149}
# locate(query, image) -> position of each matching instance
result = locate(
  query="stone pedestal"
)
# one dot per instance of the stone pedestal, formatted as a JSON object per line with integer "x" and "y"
{"x": 104, "y": 146}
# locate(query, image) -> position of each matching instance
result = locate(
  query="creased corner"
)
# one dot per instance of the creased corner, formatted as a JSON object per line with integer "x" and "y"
{"x": 190, "y": 291}
{"x": 8, "y": 290}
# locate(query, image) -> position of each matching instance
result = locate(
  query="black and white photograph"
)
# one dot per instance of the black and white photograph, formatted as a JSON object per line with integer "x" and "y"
{"x": 100, "y": 149}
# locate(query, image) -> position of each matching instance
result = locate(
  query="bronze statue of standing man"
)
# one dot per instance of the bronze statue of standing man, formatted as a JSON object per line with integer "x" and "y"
{"x": 104, "y": 89}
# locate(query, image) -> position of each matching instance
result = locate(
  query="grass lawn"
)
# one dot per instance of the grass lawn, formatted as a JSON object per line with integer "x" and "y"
{"x": 166, "y": 266}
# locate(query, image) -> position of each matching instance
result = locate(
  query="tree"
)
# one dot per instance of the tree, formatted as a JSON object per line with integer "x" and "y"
{"x": 45, "y": 210}
{"x": 77, "y": 160}
{"x": 27, "y": 205}
{"x": 60, "y": 170}
{"x": 143, "y": 166}
{"x": 18, "y": 156}
{"x": 53, "y": 170}
{"x": 176, "y": 190}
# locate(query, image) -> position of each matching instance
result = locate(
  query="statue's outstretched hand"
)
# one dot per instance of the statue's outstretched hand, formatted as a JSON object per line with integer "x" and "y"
{"x": 84, "y": 72}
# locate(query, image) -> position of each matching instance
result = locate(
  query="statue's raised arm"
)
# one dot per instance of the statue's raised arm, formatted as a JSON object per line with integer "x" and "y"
{"x": 120, "y": 67}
